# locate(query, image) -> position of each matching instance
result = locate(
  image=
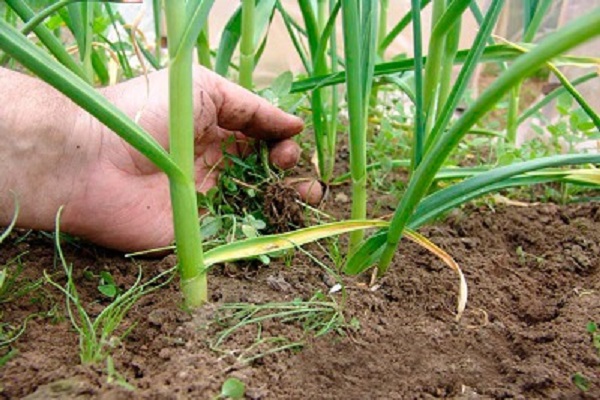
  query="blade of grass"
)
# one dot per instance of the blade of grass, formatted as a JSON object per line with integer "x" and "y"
{"x": 569, "y": 87}
{"x": 294, "y": 37}
{"x": 118, "y": 47}
{"x": 231, "y": 34}
{"x": 534, "y": 24}
{"x": 203, "y": 47}
{"x": 42, "y": 15}
{"x": 198, "y": 11}
{"x": 437, "y": 42}
{"x": 434, "y": 60}
{"x": 13, "y": 220}
{"x": 230, "y": 37}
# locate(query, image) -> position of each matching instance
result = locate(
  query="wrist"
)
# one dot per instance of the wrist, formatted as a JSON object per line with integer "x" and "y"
{"x": 42, "y": 157}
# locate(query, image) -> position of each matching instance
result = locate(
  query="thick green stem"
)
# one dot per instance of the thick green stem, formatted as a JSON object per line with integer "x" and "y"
{"x": 158, "y": 33}
{"x": 86, "y": 50}
{"x": 513, "y": 114}
{"x": 450, "y": 49}
{"x": 203, "y": 47}
{"x": 356, "y": 114}
{"x": 247, "y": 44}
{"x": 333, "y": 115}
{"x": 321, "y": 15}
{"x": 382, "y": 27}
{"x": 181, "y": 128}
{"x": 419, "y": 131}
{"x": 433, "y": 64}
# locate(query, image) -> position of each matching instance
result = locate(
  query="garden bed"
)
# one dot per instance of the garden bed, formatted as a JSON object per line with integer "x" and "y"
{"x": 534, "y": 281}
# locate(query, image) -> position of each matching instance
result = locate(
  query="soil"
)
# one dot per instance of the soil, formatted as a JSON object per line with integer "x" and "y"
{"x": 534, "y": 284}
{"x": 282, "y": 207}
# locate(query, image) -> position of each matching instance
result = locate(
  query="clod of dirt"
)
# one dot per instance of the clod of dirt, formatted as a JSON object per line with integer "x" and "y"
{"x": 72, "y": 388}
{"x": 278, "y": 283}
{"x": 282, "y": 207}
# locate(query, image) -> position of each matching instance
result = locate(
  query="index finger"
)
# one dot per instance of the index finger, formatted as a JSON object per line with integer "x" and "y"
{"x": 241, "y": 110}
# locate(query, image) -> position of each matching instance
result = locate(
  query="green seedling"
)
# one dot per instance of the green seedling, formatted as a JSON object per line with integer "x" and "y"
{"x": 13, "y": 286}
{"x": 107, "y": 286}
{"x": 581, "y": 381}
{"x": 594, "y": 332}
{"x": 97, "y": 336}
{"x": 524, "y": 256}
{"x": 4, "y": 358}
{"x": 232, "y": 388}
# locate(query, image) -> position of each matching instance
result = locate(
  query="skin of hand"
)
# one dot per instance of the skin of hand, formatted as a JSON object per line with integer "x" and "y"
{"x": 112, "y": 195}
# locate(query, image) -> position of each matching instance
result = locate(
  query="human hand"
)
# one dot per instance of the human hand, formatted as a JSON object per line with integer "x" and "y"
{"x": 123, "y": 201}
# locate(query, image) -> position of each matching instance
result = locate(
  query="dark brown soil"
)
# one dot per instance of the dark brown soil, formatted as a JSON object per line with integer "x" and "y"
{"x": 282, "y": 207}
{"x": 534, "y": 281}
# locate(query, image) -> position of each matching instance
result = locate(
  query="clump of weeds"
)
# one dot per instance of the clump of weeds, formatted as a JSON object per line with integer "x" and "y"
{"x": 98, "y": 335}
{"x": 251, "y": 199}
{"x": 316, "y": 317}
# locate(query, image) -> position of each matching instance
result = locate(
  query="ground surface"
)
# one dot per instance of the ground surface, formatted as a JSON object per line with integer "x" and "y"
{"x": 534, "y": 280}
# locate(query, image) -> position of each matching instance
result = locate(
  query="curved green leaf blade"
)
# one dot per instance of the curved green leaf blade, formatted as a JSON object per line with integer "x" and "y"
{"x": 195, "y": 23}
{"x": 13, "y": 221}
{"x": 273, "y": 243}
{"x": 367, "y": 254}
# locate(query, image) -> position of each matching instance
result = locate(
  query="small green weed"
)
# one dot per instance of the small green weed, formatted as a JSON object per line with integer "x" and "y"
{"x": 592, "y": 329}
{"x": 235, "y": 204}
{"x": 97, "y": 336}
{"x": 581, "y": 381}
{"x": 13, "y": 285}
{"x": 232, "y": 388}
{"x": 106, "y": 283}
{"x": 524, "y": 256}
{"x": 317, "y": 316}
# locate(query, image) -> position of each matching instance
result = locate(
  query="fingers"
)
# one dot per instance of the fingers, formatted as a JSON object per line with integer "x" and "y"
{"x": 240, "y": 110}
{"x": 284, "y": 154}
{"x": 310, "y": 190}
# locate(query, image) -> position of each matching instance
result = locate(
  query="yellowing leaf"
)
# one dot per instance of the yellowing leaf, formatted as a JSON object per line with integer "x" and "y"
{"x": 272, "y": 243}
